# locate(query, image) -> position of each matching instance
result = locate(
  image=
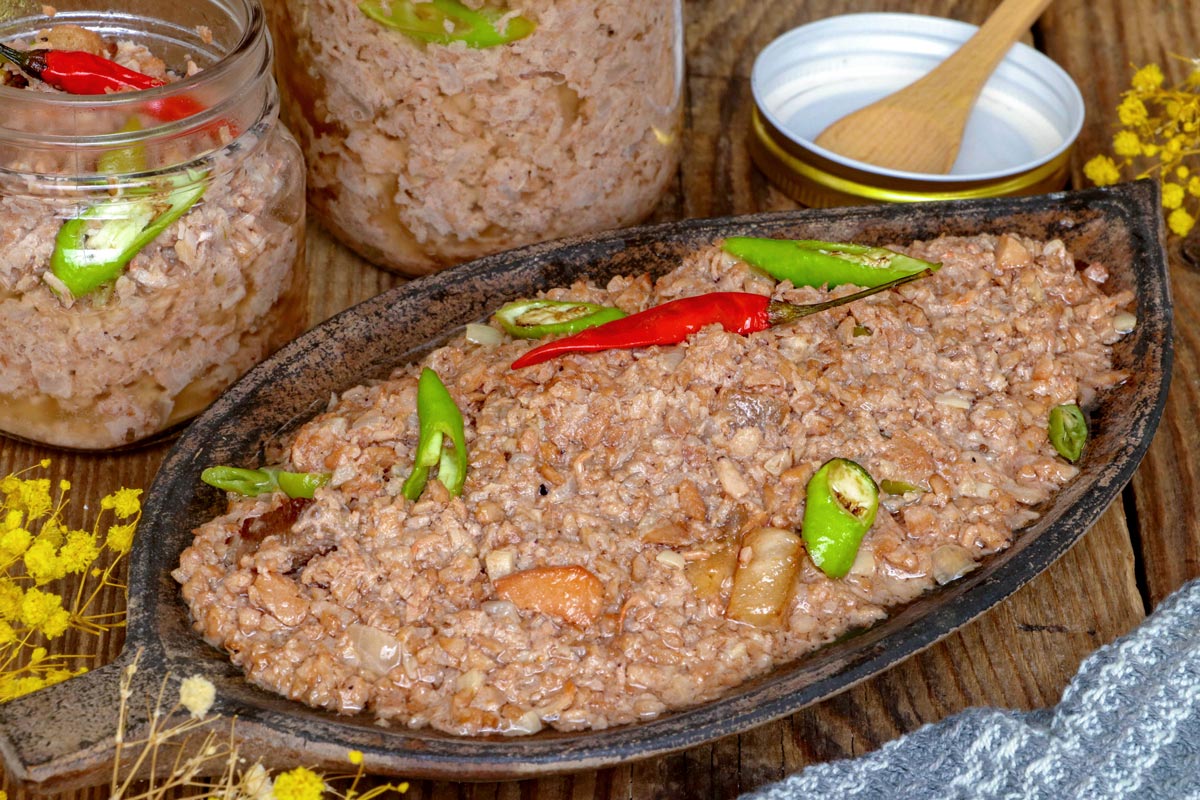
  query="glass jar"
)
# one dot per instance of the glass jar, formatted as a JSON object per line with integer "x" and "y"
{"x": 151, "y": 242}
{"x": 437, "y": 131}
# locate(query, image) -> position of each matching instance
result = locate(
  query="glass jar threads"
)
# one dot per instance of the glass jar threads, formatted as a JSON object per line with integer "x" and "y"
{"x": 151, "y": 245}
{"x": 436, "y": 131}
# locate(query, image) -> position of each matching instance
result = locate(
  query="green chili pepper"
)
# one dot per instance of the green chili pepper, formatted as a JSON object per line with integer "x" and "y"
{"x": 898, "y": 487}
{"x": 124, "y": 160}
{"x": 533, "y": 319}
{"x": 93, "y": 248}
{"x": 807, "y": 262}
{"x": 446, "y": 21}
{"x": 253, "y": 482}
{"x": 1068, "y": 431}
{"x": 839, "y": 508}
{"x": 439, "y": 418}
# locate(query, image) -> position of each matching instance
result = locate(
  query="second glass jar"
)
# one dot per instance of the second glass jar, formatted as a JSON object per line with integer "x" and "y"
{"x": 437, "y": 131}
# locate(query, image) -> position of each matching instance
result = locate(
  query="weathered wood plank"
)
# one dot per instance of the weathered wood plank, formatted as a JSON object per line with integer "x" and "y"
{"x": 1165, "y": 487}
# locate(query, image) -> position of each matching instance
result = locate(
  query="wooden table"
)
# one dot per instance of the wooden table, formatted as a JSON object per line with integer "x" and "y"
{"x": 1019, "y": 655}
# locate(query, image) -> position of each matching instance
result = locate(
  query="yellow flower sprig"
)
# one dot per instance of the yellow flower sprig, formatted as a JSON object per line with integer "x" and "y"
{"x": 1160, "y": 132}
{"x": 201, "y": 746}
{"x": 37, "y": 548}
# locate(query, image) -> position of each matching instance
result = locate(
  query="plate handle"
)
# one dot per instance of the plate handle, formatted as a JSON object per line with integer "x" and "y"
{"x": 64, "y": 736}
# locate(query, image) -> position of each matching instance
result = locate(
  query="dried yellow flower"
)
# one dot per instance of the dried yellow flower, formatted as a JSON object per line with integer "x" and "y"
{"x": 14, "y": 543}
{"x": 1180, "y": 222}
{"x": 299, "y": 784}
{"x": 11, "y": 596}
{"x": 1127, "y": 143}
{"x": 124, "y": 502}
{"x": 79, "y": 552}
{"x": 42, "y": 562}
{"x": 1172, "y": 195}
{"x": 1102, "y": 171}
{"x": 120, "y": 537}
{"x": 1148, "y": 78}
{"x": 197, "y": 695}
{"x": 37, "y": 607}
{"x": 1132, "y": 111}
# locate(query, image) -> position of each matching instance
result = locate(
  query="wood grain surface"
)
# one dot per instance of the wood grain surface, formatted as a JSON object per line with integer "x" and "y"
{"x": 1021, "y": 654}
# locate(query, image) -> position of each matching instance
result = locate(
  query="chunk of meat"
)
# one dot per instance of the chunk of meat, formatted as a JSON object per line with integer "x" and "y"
{"x": 572, "y": 594}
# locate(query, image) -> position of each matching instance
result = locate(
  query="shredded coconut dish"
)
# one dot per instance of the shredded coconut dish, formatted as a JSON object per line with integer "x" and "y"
{"x": 439, "y": 132}
{"x": 594, "y": 537}
{"x": 139, "y": 279}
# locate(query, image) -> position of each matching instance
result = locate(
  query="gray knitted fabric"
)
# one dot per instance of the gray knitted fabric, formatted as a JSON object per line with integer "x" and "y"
{"x": 1128, "y": 726}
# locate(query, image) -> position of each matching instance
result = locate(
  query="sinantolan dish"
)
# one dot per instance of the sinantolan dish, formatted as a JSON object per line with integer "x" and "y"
{"x": 639, "y": 467}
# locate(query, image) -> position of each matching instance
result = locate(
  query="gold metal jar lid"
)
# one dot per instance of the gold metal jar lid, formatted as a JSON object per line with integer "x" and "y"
{"x": 1017, "y": 141}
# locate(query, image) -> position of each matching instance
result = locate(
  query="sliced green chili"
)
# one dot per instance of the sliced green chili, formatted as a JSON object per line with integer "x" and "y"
{"x": 446, "y": 21}
{"x": 808, "y": 262}
{"x": 439, "y": 419}
{"x": 124, "y": 160}
{"x": 1068, "y": 431}
{"x": 533, "y": 319}
{"x": 839, "y": 508}
{"x": 253, "y": 482}
{"x": 93, "y": 248}
{"x": 899, "y": 487}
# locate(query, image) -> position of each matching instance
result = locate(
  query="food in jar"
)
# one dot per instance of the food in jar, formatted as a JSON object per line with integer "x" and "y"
{"x": 424, "y": 154}
{"x": 629, "y": 516}
{"x": 138, "y": 282}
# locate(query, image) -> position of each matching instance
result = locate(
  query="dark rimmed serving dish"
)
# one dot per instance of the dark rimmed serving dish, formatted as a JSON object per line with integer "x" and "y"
{"x": 62, "y": 736}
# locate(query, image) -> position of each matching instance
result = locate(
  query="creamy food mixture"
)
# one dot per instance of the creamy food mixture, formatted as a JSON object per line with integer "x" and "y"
{"x": 614, "y": 480}
{"x": 424, "y": 155}
{"x": 208, "y": 298}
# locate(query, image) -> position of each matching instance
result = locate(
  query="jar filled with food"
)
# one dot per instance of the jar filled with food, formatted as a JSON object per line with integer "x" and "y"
{"x": 436, "y": 131}
{"x": 151, "y": 215}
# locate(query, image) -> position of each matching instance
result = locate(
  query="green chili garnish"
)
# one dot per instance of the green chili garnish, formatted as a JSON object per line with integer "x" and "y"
{"x": 253, "y": 482}
{"x": 898, "y": 487}
{"x": 1068, "y": 431}
{"x": 93, "y": 248}
{"x": 446, "y": 21}
{"x": 439, "y": 419}
{"x": 124, "y": 160}
{"x": 839, "y": 508}
{"x": 807, "y": 262}
{"x": 533, "y": 319}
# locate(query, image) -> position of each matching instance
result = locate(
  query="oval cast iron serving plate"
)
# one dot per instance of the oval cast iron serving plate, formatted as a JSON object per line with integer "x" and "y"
{"x": 63, "y": 736}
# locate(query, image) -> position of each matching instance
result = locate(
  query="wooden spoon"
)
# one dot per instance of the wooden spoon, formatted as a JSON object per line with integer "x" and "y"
{"x": 920, "y": 127}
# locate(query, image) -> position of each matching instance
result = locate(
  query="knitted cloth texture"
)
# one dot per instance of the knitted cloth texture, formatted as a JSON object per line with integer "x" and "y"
{"x": 1128, "y": 726}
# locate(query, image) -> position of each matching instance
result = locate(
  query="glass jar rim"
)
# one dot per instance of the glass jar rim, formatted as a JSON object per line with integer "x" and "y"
{"x": 237, "y": 68}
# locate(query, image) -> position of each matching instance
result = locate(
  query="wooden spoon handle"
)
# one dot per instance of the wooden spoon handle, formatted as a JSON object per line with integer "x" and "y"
{"x": 970, "y": 65}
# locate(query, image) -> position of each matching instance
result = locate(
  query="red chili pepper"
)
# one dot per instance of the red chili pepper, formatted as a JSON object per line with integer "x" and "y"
{"x": 674, "y": 321}
{"x": 78, "y": 71}
{"x": 81, "y": 72}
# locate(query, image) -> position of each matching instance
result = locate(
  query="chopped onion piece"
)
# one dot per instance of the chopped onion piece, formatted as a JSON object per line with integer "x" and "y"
{"x": 1124, "y": 322}
{"x": 953, "y": 401}
{"x": 499, "y": 563}
{"x": 470, "y": 680}
{"x": 529, "y": 722}
{"x": 485, "y": 335}
{"x": 374, "y": 650}
{"x": 671, "y": 559}
{"x": 951, "y": 562}
{"x": 864, "y": 563}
